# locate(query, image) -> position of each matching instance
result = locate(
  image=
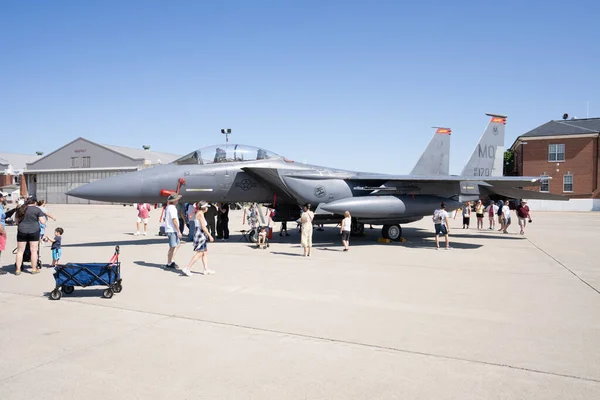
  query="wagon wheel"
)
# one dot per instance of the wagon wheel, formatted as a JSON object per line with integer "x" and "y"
{"x": 68, "y": 289}
{"x": 108, "y": 293}
{"x": 55, "y": 294}
{"x": 117, "y": 288}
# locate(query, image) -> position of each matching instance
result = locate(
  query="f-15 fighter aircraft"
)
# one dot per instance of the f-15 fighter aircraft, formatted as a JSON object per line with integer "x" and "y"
{"x": 239, "y": 173}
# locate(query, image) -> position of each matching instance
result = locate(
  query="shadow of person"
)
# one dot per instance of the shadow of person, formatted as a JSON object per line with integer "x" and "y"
{"x": 156, "y": 265}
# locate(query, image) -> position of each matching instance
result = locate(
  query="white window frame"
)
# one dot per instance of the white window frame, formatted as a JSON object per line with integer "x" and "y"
{"x": 565, "y": 182}
{"x": 553, "y": 152}
{"x": 74, "y": 162}
{"x": 85, "y": 162}
{"x": 545, "y": 182}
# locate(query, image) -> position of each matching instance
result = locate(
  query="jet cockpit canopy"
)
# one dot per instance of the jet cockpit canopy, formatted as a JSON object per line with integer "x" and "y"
{"x": 225, "y": 153}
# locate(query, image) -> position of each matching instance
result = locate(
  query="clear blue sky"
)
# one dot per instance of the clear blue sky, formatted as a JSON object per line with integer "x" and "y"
{"x": 349, "y": 84}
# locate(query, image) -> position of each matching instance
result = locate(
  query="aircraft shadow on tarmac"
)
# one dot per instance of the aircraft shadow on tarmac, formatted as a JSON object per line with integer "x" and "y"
{"x": 416, "y": 238}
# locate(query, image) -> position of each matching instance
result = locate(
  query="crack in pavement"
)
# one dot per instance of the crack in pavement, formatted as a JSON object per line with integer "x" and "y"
{"x": 305, "y": 336}
{"x": 564, "y": 266}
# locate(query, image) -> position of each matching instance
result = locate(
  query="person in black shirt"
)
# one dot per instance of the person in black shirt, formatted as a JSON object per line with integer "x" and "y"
{"x": 28, "y": 218}
{"x": 224, "y": 214}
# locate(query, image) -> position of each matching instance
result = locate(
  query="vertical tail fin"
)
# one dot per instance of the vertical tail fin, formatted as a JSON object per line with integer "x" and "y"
{"x": 488, "y": 157}
{"x": 435, "y": 160}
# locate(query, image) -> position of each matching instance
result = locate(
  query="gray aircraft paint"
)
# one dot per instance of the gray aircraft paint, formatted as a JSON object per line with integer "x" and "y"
{"x": 374, "y": 198}
{"x": 392, "y": 206}
{"x": 488, "y": 157}
{"x": 435, "y": 160}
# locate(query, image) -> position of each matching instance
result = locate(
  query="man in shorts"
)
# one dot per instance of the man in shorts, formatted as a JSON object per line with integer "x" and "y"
{"x": 441, "y": 224}
{"x": 143, "y": 216}
{"x": 523, "y": 214}
{"x": 172, "y": 229}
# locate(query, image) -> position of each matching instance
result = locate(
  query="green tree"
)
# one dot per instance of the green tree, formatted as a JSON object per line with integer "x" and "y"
{"x": 509, "y": 163}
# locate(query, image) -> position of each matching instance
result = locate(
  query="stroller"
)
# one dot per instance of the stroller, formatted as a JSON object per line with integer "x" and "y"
{"x": 27, "y": 255}
{"x": 89, "y": 274}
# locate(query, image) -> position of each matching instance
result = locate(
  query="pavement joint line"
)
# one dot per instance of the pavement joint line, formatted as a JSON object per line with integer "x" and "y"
{"x": 301, "y": 335}
{"x": 144, "y": 326}
{"x": 564, "y": 266}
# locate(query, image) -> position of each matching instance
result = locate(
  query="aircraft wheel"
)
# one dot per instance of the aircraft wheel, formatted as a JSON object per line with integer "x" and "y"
{"x": 393, "y": 232}
{"x": 384, "y": 231}
{"x": 357, "y": 228}
{"x": 253, "y": 235}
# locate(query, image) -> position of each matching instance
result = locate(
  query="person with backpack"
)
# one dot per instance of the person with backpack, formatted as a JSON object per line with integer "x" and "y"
{"x": 442, "y": 225}
{"x": 500, "y": 215}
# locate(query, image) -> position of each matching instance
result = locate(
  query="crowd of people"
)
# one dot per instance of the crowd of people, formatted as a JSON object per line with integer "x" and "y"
{"x": 206, "y": 222}
{"x": 500, "y": 212}
{"x": 31, "y": 217}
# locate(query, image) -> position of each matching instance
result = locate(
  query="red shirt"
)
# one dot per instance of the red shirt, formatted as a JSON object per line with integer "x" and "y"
{"x": 143, "y": 210}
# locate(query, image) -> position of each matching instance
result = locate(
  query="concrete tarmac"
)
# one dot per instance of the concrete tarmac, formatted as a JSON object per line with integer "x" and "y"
{"x": 500, "y": 316}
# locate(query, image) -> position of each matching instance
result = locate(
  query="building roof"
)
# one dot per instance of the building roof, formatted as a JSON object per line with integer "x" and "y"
{"x": 17, "y": 161}
{"x": 566, "y": 127}
{"x": 133, "y": 154}
{"x": 141, "y": 154}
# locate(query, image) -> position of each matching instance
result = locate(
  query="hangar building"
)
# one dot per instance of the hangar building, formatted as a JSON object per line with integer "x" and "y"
{"x": 83, "y": 161}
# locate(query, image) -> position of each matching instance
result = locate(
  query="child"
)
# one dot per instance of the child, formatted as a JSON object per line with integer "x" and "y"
{"x": 56, "y": 245}
{"x": 262, "y": 237}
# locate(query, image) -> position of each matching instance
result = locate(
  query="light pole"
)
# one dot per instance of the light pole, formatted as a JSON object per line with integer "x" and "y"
{"x": 226, "y": 132}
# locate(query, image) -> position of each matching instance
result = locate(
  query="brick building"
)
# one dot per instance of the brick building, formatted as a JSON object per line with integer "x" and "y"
{"x": 567, "y": 151}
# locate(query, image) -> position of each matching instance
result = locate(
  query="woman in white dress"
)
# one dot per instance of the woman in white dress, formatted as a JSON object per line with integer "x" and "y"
{"x": 307, "y": 229}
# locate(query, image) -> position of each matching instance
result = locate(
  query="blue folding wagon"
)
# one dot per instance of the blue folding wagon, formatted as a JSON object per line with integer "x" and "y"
{"x": 89, "y": 274}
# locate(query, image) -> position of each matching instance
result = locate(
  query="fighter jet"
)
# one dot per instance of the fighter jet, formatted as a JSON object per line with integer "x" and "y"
{"x": 240, "y": 173}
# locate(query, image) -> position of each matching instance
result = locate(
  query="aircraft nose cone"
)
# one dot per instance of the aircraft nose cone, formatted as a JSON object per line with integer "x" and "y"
{"x": 124, "y": 188}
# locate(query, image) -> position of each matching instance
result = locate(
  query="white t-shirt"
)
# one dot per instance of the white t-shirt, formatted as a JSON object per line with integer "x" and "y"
{"x": 170, "y": 214}
{"x": 347, "y": 224}
{"x": 439, "y": 217}
{"x": 506, "y": 211}
{"x": 191, "y": 212}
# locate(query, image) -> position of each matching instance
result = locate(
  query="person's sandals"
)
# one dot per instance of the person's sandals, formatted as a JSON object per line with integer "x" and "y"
{"x": 35, "y": 271}
{"x": 18, "y": 272}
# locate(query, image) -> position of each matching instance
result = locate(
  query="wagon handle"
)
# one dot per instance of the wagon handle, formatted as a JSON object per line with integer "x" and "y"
{"x": 117, "y": 251}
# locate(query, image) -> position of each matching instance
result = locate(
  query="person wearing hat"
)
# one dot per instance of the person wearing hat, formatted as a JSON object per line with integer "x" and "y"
{"x": 201, "y": 237}
{"x": 523, "y": 214}
{"x": 2, "y": 226}
{"x": 172, "y": 228}
{"x": 441, "y": 224}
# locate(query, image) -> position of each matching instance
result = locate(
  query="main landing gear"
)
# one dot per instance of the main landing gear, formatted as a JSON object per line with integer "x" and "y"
{"x": 392, "y": 232}
{"x": 357, "y": 228}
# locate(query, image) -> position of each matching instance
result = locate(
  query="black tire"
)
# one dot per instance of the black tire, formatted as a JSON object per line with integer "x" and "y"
{"x": 68, "y": 289}
{"x": 394, "y": 232}
{"x": 39, "y": 263}
{"x": 357, "y": 228}
{"x": 108, "y": 293}
{"x": 55, "y": 294}
{"x": 253, "y": 235}
{"x": 384, "y": 231}
{"x": 117, "y": 288}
